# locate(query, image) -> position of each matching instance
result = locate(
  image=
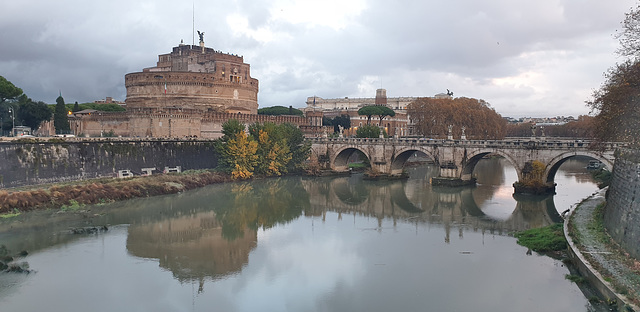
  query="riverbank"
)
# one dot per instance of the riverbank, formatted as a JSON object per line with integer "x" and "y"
{"x": 599, "y": 259}
{"x": 71, "y": 196}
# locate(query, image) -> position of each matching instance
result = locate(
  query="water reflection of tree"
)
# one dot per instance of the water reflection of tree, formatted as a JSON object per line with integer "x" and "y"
{"x": 261, "y": 205}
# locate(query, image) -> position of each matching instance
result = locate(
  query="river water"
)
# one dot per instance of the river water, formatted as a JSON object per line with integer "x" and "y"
{"x": 302, "y": 244}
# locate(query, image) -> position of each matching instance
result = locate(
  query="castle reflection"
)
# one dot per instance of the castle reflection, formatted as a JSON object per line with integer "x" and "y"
{"x": 192, "y": 247}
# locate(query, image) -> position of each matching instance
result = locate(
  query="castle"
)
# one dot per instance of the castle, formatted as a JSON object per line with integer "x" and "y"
{"x": 191, "y": 92}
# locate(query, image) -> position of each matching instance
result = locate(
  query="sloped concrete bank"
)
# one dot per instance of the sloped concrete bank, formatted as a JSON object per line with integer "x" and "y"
{"x": 595, "y": 259}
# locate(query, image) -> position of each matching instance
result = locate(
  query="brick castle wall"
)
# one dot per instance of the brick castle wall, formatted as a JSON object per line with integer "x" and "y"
{"x": 169, "y": 123}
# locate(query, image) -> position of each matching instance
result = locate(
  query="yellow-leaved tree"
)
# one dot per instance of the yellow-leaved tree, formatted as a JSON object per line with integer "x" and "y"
{"x": 273, "y": 155}
{"x": 242, "y": 152}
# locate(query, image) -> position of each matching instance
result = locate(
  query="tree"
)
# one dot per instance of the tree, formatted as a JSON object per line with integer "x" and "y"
{"x": 342, "y": 120}
{"x": 280, "y": 110}
{"x": 617, "y": 101}
{"x": 7, "y": 90}
{"x": 618, "y": 104}
{"x": 383, "y": 112}
{"x": 60, "y": 119}
{"x": 369, "y": 111}
{"x": 242, "y": 152}
{"x": 32, "y": 114}
{"x": 433, "y": 117}
{"x": 368, "y": 131}
{"x": 279, "y": 148}
{"x": 273, "y": 155}
{"x": 230, "y": 128}
{"x": 629, "y": 37}
{"x": 285, "y": 142}
{"x": 298, "y": 147}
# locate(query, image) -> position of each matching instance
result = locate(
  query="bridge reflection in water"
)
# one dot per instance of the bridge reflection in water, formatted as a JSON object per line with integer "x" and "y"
{"x": 209, "y": 233}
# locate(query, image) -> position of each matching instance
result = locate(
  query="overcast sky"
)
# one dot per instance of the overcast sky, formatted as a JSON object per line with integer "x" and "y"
{"x": 526, "y": 58}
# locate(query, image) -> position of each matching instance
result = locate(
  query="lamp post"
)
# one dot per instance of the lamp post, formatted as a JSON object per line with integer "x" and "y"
{"x": 13, "y": 120}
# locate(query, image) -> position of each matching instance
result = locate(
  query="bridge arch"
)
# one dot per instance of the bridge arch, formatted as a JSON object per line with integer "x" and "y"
{"x": 340, "y": 162}
{"x": 474, "y": 157}
{"x": 402, "y": 155}
{"x": 556, "y": 162}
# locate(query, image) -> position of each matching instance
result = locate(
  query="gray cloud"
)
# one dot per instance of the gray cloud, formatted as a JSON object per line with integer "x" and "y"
{"x": 525, "y": 58}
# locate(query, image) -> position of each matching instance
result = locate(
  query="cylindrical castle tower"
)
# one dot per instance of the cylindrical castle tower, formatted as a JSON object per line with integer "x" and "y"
{"x": 195, "y": 78}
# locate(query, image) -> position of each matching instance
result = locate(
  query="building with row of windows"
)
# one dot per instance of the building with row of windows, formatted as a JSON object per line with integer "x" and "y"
{"x": 398, "y": 125}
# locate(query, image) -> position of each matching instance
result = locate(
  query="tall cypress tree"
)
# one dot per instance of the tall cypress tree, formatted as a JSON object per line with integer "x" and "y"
{"x": 60, "y": 119}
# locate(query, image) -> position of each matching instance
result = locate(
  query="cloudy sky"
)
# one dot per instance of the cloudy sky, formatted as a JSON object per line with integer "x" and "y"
{"x": 526, "y": 58}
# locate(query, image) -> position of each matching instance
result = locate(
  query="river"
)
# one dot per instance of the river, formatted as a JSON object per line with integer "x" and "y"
{"x": 302, "y": 244}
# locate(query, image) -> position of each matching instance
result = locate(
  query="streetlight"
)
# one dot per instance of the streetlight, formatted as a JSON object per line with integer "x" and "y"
{"x": 13, "y": 121}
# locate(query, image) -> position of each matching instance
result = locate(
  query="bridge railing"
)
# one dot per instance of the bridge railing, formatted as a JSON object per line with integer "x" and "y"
{"x": 511, "y": 142}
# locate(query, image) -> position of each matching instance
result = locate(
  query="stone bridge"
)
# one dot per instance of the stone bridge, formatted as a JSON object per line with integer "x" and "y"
{"x": 457, "y": 158}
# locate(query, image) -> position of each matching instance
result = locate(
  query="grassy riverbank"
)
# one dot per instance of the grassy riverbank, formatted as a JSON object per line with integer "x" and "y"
{"x": 71, "y": 196}
{"x": 545, "y": 239}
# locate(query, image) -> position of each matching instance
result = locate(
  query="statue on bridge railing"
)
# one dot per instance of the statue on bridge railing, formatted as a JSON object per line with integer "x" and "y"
{"x": 533, "y": 130}
{"x": 450, "y": 135}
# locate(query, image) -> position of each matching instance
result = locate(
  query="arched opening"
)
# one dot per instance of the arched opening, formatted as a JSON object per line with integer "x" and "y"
{"x": 410, "y": 157}
{"x": 494, "y": 175}
{"x": 351, "y": 159}
{"x": 576, "y": 162}
{"x": 470, "y": 165}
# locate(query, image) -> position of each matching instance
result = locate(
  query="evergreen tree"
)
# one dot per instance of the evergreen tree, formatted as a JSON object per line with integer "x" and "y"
{"x": 60, "y": 119}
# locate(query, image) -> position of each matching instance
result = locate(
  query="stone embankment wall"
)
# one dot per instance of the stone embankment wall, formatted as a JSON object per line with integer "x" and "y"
{"x": 622, "y": 213}
{"x": 30, "y": 162}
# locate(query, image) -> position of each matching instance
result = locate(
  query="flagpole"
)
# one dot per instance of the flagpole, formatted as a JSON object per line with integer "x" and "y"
{"x": 193, "y": 30}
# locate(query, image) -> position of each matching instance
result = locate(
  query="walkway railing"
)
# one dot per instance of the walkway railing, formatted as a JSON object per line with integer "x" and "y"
{"x": 520, "y": 142}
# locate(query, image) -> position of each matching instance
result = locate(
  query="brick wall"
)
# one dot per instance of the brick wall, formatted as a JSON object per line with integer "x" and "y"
{"x": 622, "y": 213}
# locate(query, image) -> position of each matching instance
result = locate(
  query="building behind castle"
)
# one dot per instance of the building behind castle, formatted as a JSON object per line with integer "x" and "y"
{"x": 397, "y": 126}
